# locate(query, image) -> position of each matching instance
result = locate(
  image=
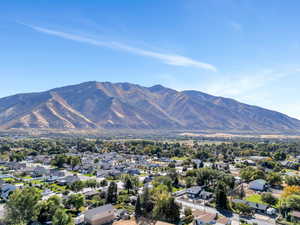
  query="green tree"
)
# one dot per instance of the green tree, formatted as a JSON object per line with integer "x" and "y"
{"x": 242, "y": 208}
{"x": 77, "y": 186}
{"x": 292, "y": 180}
{"x": 147, "y": 202}
{"x": 76, "y": 201}
{"x": 274, "y": 178}
{"x": 60, "y": 217}
{"x": 242, "y": 192}
{"x": 48, "y": 208}
{"x": 103, "y": 183}
{"x": 188, "y": 216}
{"x": 269, "y": 198}
{"x": 112, "y": 193}
{"x": 221, "y": 197}
{"x": 74, "y": 161}
{"x": 128, "y": 184}
{"x": 138, "y": 207}
{"x": 166, "y": 209}
{"x": 23, "y": 205}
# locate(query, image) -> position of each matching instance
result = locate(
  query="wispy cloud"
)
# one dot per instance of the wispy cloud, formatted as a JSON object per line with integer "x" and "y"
{"x": 170, "y": 59}
{"x": 235, "y": 25}
{"x": 243, "y": 85}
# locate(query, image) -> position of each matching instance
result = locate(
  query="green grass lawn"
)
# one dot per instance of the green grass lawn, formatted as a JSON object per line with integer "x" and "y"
{"x": 57, "y": 188}
{"x": 254, "y": 198}
{"x": 9, "y": 179}
{"x": 180, "y": 158}
{"x": 88, "y": 175}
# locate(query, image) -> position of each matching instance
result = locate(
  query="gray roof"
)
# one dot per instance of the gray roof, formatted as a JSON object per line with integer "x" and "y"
{"x": 257, "y": 184}
{"x": 93, "y": 212}
{"x": 252, "y": 205}
{"x": 194, "y": 190}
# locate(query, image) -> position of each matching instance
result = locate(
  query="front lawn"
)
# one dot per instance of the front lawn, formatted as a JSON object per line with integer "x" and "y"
{"x": 255, "y": 198}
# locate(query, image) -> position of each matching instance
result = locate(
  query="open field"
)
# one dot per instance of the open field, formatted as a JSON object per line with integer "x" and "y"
{"x": 129, "y": 134}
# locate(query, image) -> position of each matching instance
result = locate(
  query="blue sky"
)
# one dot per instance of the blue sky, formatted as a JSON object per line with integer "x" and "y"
{"x": 244, "y": 49}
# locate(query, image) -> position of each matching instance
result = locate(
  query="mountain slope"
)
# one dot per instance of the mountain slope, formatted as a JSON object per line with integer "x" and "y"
{"x": 125, "y": 105}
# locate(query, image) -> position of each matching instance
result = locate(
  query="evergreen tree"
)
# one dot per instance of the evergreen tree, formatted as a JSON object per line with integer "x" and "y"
{"x": 147, "y": 203}
{"x": 242, "y": 192}
{"x": 112, "y": 193}
{"x": 138, "y": 207}
{"x": 221, "y": 197}
{"x": 166, "y": 209}
{"x": 128, "y": 184}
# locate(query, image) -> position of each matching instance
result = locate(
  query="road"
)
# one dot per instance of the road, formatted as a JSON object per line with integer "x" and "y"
{"x": 233, "y": 216}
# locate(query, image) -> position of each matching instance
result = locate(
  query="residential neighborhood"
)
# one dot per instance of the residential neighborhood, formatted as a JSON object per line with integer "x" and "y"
{"x": 151, "y": 182}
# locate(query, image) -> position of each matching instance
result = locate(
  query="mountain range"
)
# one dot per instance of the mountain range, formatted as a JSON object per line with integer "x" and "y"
{"x": 130, "y": 106}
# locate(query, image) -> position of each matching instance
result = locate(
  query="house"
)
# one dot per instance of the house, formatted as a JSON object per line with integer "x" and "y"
{"x": 204, "y": 218}
{"x": 6, "y": 190}
{"x": 133, "y": 171}
{"x": 91, "y": 194}
{"x": 57, "y": 173}
{"x": 68, "y": 180}
{"x": 258, "y": 185}
{"x": 15, "y": 165}
{"x": 198, "y": 163}
{"x": 205, "y": 195}
{"x": 257, "y": 207}
{"x": 194, "y": 192}
{"x": 40, "y": 171}
{"x": 100, "y": 215}
{"x": 179, "y": 193}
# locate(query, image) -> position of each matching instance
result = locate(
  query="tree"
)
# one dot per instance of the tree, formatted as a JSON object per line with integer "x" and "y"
{"x": 189, "y": 182}
{"x": 48, "y": 208}
{"x": 221, "y": 197}
{"x": 128, "y": 184}
{"x": 242, "y": 192}
{"x": 112, "y": 193}
{"x": 76, "y": 201}
{"x": 147, "y": 202}
{"x": 188, "y": 216}
{"x": 291, "y": 190}
{"x": 250, "y": 173}
{"x": 292, "y": 180}
{"x": 274, "y": 178}
{"x": 242, "y": 208}
{"x": 91, "y": 183}
{"x": 22, "y": 205}
{"x": 59, "y": 160}
{"x": 60, "y": 217}
{"x": 103, "y": 183}
{"x": 292, "y": 202}
{"x": 138, "y": 207}
{"x": 74, "y": 161}
{"x": 269, "y": 198}
{"x": 77, "y": 186}
{"x": 279, "y": 155}
{"x": 166, "y": 209}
